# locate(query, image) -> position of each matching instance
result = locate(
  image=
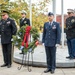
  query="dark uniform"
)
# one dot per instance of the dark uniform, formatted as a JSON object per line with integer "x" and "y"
{"x": 24, "y": 22}
{"x": 7, "y": 29}
{"x": 51, "y": 37}
{"x": 70, "y": 35}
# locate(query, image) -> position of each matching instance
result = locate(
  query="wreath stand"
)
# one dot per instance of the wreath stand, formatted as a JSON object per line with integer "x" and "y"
{"x": 26, "y": 62}
{"x": 24, "y": 33}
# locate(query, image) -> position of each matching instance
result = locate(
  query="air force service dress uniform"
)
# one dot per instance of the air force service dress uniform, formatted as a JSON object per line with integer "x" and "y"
{"x": 51, "y": 37}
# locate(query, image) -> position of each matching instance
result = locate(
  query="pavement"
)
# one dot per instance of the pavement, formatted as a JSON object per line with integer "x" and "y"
{"x": 39, "y": 57}
{"x": 35, "y": 70}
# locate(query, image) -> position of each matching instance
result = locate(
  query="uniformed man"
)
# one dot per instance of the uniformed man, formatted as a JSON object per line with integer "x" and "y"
{"x": 24, "y": 21}
{"x": 7, "y": 29}
{"x": 51, "y": 39}
{"x": 70, "y": 33}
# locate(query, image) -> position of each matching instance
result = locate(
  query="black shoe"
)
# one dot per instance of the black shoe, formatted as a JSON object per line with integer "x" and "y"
{"x": 3, "y": 65}
{"x": 48, "y": 70}
{"x": 21, "y": 53}
{"x": 71, "y": 58}
{"x": 52, "y": 71}
{"x": 68, "y": 57}
{"x": 8, "y": 66}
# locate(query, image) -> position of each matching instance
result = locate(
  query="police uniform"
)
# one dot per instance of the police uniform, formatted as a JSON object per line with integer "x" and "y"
{"x": 7, "y": 29}
{"x": 24, "y": 21}
{"x": 70, "y": 34}
{"x": 51, "y": 37}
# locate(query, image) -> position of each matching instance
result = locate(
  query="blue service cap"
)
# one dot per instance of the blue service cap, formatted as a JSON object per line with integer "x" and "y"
{"x": 50, "y": 13}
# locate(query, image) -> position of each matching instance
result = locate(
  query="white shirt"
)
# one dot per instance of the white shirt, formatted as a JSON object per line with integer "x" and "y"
{"x": 51, "y": 23}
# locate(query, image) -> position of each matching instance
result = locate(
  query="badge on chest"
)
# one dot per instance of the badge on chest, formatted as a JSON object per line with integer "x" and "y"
{"x": 25, "y": 21}
{"x": 54, "y": 27}
{"x": 73, "y": 20}
{"x": 8, "y": 22}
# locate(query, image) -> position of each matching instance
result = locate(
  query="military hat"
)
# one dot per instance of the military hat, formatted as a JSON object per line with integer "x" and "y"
{"x": 70, "y": 11}
{"x": 23, "y": 12}
{"x": 50, "y": 13}
{"x": 4, "y": 12}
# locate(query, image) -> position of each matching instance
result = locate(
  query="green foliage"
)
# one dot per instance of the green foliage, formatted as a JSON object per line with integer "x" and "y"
{"x": 38, "y": 10}
{"x": 18, "y": 39}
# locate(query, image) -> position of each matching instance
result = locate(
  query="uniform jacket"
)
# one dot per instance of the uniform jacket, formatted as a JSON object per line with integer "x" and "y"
{"x": 7, "y": 29}
{"x": 70, "y": 27}
{"x": 51, "y": 34}
{"x": 24, "y": 22}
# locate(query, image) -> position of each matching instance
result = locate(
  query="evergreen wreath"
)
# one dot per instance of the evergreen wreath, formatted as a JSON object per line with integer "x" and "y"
{"x": 22, "y": 36}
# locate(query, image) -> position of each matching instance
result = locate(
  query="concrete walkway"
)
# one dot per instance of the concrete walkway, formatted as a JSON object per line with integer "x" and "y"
{"x": 35, "y": 70}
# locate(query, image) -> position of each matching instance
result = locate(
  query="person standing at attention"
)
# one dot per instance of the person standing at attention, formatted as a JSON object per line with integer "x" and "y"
{"x": 7, "y": 29}
{"x": 51, "y": 39}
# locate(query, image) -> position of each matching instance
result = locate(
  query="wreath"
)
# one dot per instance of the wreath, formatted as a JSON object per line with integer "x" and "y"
{"x": 21, "y": 40}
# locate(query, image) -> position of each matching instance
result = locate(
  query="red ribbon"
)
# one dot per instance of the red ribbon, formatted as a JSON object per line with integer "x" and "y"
{"x": 26, "y": 36}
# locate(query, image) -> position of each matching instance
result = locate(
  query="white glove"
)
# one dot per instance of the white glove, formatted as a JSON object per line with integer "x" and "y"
{"x": 22, "y": 47}
{"x": 43, "y": 44}
{"x": 57, "y": 45}
{"x": 12, "y": 39}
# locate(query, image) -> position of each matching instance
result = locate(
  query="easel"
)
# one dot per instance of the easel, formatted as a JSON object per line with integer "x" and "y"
{"x": 24, "y": 57}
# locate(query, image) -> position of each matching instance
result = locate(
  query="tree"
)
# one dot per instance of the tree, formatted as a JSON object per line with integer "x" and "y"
{"x": 38, "y": 11}
{"x": 14, "y": 8}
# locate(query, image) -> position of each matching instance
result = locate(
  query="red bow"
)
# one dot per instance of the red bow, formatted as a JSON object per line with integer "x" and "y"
{"x": 26, "y": 36}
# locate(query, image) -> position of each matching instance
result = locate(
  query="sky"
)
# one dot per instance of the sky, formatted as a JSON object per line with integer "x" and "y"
{"x": 67, "y": 4}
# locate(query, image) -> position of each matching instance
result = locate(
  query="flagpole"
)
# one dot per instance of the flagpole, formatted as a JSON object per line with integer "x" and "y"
{"x": 31, "y": 16}
{"x": 31, "y": 12}
{"x": 54, "y": 9}
{"x": 62, "y": 13}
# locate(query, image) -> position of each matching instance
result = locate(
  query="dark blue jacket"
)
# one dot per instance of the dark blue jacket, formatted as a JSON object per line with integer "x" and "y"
{"x": 7, "y": 29}
{"x": 24, "y": 22}
{"x": 70, "y": 27}
{"x": 51, "y": 34}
